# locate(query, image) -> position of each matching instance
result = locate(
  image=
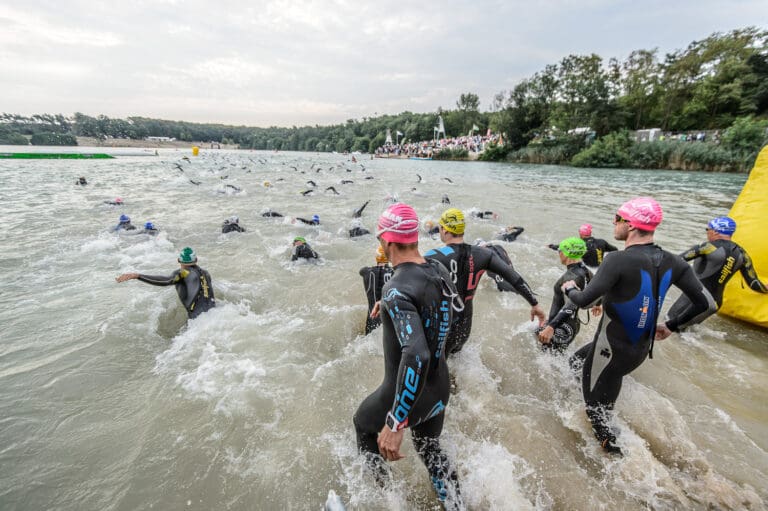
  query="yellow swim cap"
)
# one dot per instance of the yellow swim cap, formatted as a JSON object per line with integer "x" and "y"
{"x": 267, "y": 184}
{"x": 452, "y": 221}
{"x": 381, "y": 257}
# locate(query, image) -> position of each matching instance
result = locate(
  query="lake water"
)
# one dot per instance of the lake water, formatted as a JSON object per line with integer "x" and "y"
{"x": 110, "y": 400}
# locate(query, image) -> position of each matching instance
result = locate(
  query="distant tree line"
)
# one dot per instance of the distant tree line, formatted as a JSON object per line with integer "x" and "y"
{"x": 708, "y": 86}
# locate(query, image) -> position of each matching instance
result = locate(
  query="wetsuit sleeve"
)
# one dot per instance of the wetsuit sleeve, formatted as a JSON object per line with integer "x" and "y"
{"x": 693, "y": 290}
{"x": 163, "y": 281}
{"x": 608, "y": 247}
{"x": 602, "y": 282}
{"x": 415, "y": 354}
{"x": 750, "y": 275}
{"x": 698, "y": 251}
{"x": 566, "y": 312}
{"x": 497, "y": 265}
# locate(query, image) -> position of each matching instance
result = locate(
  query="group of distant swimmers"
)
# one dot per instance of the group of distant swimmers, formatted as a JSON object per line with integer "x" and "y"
{"x": 424, "y": 304}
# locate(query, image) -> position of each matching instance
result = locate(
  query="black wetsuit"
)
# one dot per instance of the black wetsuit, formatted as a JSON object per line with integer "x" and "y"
{"x": 485, "y": 215}
{"x": 633, "y": 284}
{"x": 511, "y": 234}
{"x": 358, "y": 231}
{"x": 716, "y": 262}
{"x": 374, "y": 278}
{"x": 596, "y": 249}
{"x": 308, "y": 222}
{"x": 124, "y": 226}
{"x": 151, "y": 232}
{"x": 563, "y": 314}
{"x": 467, "y": 263}
{"x": 303, "y": 251}
{"x": 272, "y": 214}
{"x": 193, "y": 285}
{"x": 501, "y": 284}
{"x": 416, "y": 318}
{"x": 230, "y": 227}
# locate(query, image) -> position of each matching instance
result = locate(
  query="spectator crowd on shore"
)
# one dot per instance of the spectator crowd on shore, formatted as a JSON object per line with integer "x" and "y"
{"x": 428, "y": 148}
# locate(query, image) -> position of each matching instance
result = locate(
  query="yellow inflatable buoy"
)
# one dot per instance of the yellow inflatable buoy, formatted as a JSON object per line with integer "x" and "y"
{"x": 195, "y": 150}
{"x": 751, "y": 213}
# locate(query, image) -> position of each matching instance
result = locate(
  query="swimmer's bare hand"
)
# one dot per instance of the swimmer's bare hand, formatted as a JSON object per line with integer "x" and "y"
{"x": 662, "y": 332}
{"x": 538, "y": 312}
{"x": 389, "y": 443}
{"x": 567, "y": 284}
{"x": 376, "y": 310}
{"x": 545, "y": 336}
{"x": 597, "y": 310}
{"x": 127, "y": 276}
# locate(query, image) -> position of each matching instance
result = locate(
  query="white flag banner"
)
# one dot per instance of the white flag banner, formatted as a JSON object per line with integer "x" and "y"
{"x": 399, "y": 133}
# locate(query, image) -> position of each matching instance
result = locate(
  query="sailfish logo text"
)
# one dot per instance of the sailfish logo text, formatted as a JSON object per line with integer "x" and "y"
{"x": 644, "y": 312}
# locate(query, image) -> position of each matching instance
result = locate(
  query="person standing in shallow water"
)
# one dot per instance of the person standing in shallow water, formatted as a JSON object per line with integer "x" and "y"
{"x": 374, "y": 278}
{"x": 563, "y": 323}
{"x": 193, "y": 284}
{"x": 416, "y": 317}
{"x": 632, "y": 284}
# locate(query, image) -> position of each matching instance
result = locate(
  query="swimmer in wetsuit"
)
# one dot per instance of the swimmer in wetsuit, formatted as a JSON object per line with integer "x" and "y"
{"x": 271, "y": 214}
{"x": 124, "y": 224}
{"x": 510, "y": 233}
{"x": 149, "y": 228}
{"x": 117, "y": 202}
{"x": 563, "y": 323}
{"x": 717, "y": 260}
{"x": 302, "y": 250}
{"x": 416, "y": 317}
{"x": 315, "y": 220}
{"x": 81, "y": 181}
{"x": 232, "y": 224}
{"x": 596, "y": 247}
{"x": 467, "y": 264}
{"x": 193, "y": 284}
{"x": 374, "y": 278}
{"x": 632, "y": 284}
{"x": 501, "y": 284}
{"x": 356, "y": 230}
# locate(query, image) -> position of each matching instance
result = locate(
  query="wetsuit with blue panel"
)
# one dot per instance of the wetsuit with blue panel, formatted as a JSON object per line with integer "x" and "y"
{"x": 632, "y": 284}
{"x": 416, "y": 317}
{"x": 467, "y": 263}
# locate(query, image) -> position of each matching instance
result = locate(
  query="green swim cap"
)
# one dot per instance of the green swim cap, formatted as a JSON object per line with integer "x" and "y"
{"x": 299, "y": 238}
{"x": 573, "y": 248}
{"x": 187, "y": 256}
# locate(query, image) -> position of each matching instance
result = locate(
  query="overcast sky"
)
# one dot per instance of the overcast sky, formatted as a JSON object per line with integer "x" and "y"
{"x": 299, "y": 62}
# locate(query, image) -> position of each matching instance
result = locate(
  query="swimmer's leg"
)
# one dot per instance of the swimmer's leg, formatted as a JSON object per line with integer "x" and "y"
{"x": 426, "y": 440}
{"x": 367, "y": 431}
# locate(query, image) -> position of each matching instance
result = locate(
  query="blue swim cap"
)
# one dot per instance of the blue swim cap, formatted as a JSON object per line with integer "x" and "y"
{"x": 316, "y": 218}
{"x": 149, "y": 225}
{"x": 722, "y": 225}
{"x": 124, "y": 218}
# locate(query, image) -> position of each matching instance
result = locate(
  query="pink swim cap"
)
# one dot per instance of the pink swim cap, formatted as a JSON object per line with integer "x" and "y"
{"x": 642, "y": 213}
{"x": 399, "y": 223}
{"x": 585, "y": 229}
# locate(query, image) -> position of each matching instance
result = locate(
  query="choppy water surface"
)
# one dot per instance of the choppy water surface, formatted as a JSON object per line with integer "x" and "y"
{"x": 111, "y": 401}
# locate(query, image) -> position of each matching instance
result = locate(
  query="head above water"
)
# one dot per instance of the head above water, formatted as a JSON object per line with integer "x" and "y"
{"x": 124, "y": 219}
{"x": 187, "y": 256}
{"x": 723, "y": 225}
{"x": 642, "y": 213}
{"x": 452, "y": 221}
{"x": 118, "y": 200}
{"x": 233, "y": 219}
{"x": 585, "y": 230}
{"x": 572, "y": 248}
{"x": 149, "y": 226}
{"x": 316, "y": 219}
{"x": 299, "y": 239}
{"x": 399, "y": 223}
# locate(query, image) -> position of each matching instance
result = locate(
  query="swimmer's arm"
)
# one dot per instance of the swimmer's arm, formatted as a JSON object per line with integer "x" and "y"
{"x": 414, "y": 359}
{"x": 161, "y": 280}
{"x": 750, "y": 275}
{"x": 609, "y": 248}
{"x": 698, "y": 251}
{"x": 497, "y": 265}
{"x": 565, "y": 313}
{"x": 600, "y": 284}
{"x": 692, "y": 288}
